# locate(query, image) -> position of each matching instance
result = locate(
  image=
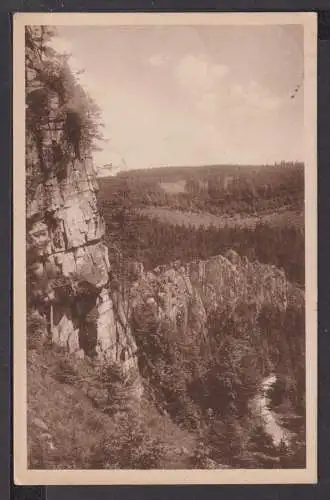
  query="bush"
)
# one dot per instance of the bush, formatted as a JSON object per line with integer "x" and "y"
{"x": 37, "y": 334}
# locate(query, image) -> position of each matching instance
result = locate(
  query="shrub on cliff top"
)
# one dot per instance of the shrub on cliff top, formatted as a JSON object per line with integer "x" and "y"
{"x": 62, "y": 120}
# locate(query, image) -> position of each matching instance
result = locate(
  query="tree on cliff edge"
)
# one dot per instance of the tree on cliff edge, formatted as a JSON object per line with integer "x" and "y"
{"x": 62, "y": 120}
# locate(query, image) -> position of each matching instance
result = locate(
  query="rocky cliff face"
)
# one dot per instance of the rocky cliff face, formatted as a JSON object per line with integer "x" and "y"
{"x": 186, "y": 294}
{"x": 67, "y": 261}
{"x": 70, "y": 268}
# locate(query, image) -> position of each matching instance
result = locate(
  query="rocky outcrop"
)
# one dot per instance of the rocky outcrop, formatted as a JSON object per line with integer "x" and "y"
{"x": 69, "y": 266}
{"x": 185, "y": 295}
{"x": 167, "y": 294}
{"x": 67, "y": 261}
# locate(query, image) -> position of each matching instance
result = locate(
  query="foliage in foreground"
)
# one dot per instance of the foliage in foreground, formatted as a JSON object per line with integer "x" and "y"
{"x": 77, "y": 434}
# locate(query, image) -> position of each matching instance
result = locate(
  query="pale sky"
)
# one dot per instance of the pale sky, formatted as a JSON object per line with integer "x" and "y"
{"x": 180, "y": 95}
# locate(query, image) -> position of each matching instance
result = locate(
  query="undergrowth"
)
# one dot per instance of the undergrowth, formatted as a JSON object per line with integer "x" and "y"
{"x": 80, "y": 429}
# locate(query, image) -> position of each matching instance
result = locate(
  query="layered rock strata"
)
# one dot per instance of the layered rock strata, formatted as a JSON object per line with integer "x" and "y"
{"x": 67, "y": 262}
{"x": 186, "y": 294}
{"x": 70, "y": 268}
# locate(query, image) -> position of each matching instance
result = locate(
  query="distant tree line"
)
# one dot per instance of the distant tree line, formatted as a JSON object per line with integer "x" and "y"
{"x": 218, "y": 190}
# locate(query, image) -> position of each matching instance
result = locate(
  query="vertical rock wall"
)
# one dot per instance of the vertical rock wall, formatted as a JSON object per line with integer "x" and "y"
{"x": 67, "y": 261}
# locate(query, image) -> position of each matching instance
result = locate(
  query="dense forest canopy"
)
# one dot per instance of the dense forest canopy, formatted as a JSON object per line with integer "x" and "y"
{"x": 214, "y": 189}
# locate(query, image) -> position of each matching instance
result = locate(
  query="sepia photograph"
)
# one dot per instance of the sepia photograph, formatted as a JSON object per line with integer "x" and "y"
{"x": 165, "y": 301}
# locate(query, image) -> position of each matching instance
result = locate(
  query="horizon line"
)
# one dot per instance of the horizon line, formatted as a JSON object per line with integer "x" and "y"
{"x": 206, "y": 165}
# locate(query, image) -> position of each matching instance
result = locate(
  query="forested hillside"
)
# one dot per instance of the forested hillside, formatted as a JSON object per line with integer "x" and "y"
{"x": 217, "y": 189}
{"x": 154, "y": 241}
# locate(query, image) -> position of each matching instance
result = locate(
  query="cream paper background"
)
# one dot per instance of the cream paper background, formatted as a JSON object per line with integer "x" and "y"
{"x": 230, "y": 476}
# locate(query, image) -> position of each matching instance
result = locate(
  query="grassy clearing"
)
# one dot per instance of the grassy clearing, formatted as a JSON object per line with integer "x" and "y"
{"x": 279, "y": 218}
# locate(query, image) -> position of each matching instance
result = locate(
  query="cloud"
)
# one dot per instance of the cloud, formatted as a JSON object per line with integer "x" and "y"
{"x": 199, "y": 74}
{"x": 158, "y": 60}
{"x": 255, "y": 97}
{"x": 208, "y": 102}
{"x": 238, "y": 100}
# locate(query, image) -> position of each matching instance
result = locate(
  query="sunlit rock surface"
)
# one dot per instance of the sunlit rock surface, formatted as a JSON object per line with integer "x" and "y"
{"x": 187, "y": 294}
{"x": 70, "y": 267}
